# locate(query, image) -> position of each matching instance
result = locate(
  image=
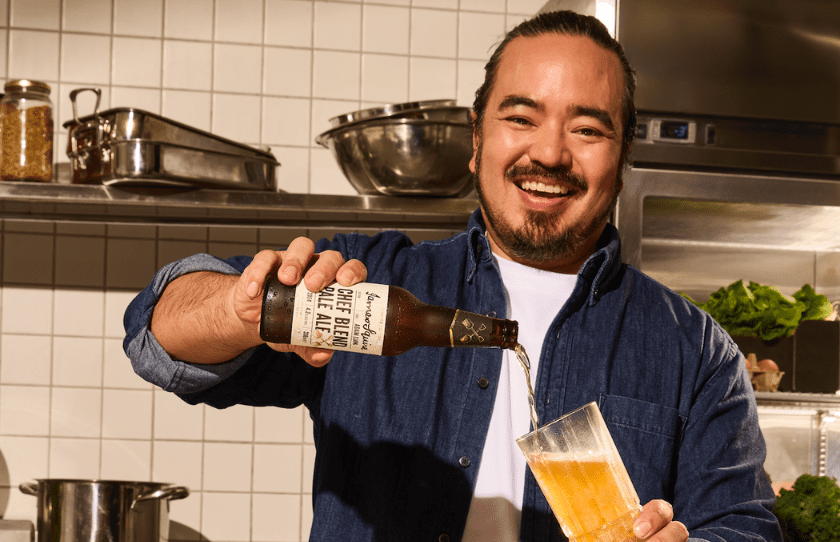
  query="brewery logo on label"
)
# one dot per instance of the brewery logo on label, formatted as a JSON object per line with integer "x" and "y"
{"x": 470, "y": 330}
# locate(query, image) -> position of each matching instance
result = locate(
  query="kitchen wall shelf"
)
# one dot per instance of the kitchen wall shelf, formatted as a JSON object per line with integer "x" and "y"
{"x": 156, "y": 205}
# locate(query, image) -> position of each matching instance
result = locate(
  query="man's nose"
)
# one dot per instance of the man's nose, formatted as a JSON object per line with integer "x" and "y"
{"x": 550, "y": 148}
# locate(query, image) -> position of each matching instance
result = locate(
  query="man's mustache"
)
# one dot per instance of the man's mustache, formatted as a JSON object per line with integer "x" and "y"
{"x": 559, "y": 174}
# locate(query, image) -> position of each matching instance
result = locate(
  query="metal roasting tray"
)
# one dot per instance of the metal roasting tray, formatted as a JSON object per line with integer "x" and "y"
{"x": 153, "y": 163}
{"x": 131, "y": 146}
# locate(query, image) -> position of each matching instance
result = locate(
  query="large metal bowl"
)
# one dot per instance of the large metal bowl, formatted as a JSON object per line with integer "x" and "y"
{"x": 404, "y": 156}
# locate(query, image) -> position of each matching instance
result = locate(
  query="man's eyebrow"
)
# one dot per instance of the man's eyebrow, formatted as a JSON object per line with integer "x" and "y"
{"x": 515, "y": 100}
{"x": 599, "y": 114}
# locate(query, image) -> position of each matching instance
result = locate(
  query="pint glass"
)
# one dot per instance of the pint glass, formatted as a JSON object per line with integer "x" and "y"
{"x": 582, "y": 476}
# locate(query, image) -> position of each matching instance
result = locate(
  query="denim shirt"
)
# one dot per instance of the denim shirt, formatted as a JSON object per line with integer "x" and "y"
{"x": 399, "y": 440}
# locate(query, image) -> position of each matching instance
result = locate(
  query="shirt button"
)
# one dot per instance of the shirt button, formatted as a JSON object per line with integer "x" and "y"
{"x": 491, "y": 314}
{"x": 464, "y": 461}
{"x": 483, "y": 383}
{"x": 443, "y": 538}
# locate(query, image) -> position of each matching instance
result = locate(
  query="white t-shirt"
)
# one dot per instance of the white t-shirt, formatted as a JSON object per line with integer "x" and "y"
{"x": 534, "y": 299}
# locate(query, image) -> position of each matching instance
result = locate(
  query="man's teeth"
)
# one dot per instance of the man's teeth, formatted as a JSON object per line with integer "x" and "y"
{"x": 534, "y": 186}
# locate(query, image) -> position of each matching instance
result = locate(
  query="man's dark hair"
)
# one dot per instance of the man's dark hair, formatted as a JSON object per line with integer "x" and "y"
{"x": 571, "y": 24}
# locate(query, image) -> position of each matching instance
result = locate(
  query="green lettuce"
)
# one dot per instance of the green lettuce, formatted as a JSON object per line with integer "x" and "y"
{"x": 755, "y": 310}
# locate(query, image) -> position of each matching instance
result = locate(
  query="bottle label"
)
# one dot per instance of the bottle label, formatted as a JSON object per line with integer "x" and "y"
{"x": 349, "y": 318}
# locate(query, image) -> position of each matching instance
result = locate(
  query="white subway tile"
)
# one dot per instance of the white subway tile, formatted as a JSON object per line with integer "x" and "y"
{"x": 37, "y": 267}
{"x": 279, "y": 425}
{"x": 147, "y": 99}
{"x": 433, "y": 79}
{"x": 79, "y": 313}
{"x": 389, "y": 2}
{"x": 239, "y": 21}
{"x": 237, "y": 68}
{"x": 226, "y": 516}
{"x": 138, "y": 18}
{"x": 117, "y": 368}
{"x": 136, "y": 62}
{"x": 286, "y": 121}
{"x": 478, "y": 33}
{"x": 24, "y": 410}
{"x": 26, "y": 460}
{"x": 79, "y": 261}
{"x": 185, "y": 517}
{"x": 35, "y": 13}
{"x": 227, "y": 467}
{"x": 275, "y": 518}
{"x": 308, "y": 467}
{"x": 188, "y": 19}
{"x": 487, "y": 6}
{"x": 116, "y": 302}
{"x": 525, "y": 7}
{"x": 324, "y": 110}
{"x": 127, "y": 414}
{"x": 440, "y": 4}
{"x": 126, "y": 460}
{"x": 338, "y": 26}
{"x": 237, "y": 117}
{"x": 189, "y": 107}
{"x": 175, "y": 419}
{"x": 74, "y": 458}
{"x": 308, "y": 428}
{"x": 293, "y": 173}
{"x": 187, "y": 65}
{"x": 384, "y": 78}
{"x": 77, "y": 361}
{"x": 79, "y": 65}
{"x": 178, "y": 462}
{"x": 76, "y": 412}
{"x": 234, "y": 423}
{"x": 31, "y": 307}
{"x": 305, "y": 516}
{"x": 470, "y": 78}
{"x": 3, "y": 45}
{"x": 25, "y": 359}
{"x": 385, "y": 29}
{"x": 224, "y": 250}
{"x": 336, "y": 75}
{"x": 434, "y": 33}
{"x": 288, "y": 22}
{"x": 277, "y": 468}
{"x": 88, "y": 16}
{"x": 288, "y": 72}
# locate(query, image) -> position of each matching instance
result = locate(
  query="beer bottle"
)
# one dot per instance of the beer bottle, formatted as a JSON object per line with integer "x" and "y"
{"x": 372, "y": 319}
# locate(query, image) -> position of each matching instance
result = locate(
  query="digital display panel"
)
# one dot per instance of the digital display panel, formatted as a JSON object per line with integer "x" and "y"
{"x": 673, "y": 129}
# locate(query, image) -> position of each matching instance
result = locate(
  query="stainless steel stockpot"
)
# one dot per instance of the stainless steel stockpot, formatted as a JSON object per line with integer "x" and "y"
{"x": 102, "y": 510}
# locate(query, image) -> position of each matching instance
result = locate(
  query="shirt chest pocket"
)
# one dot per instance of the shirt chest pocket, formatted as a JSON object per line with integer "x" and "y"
{"x": 647, "y": 436}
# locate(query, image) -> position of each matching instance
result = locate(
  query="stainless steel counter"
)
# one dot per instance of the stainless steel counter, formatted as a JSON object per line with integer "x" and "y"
{"x": 111, "y": 204}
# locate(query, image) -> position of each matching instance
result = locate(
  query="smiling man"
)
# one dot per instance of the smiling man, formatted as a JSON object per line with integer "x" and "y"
{"x": 421, "y": 446}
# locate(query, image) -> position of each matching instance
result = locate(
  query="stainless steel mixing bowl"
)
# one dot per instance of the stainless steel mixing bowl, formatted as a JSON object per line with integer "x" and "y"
{"x": 404, "y": 156}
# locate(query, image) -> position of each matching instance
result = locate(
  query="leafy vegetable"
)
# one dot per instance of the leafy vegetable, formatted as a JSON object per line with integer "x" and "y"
{"x": 756, "y": 310}
{"x": 811, "y": 511}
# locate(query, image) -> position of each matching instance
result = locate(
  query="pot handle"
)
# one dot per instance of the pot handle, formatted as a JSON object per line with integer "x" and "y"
{"x": 30, "y": 488}
{"x": 170, "y": 493}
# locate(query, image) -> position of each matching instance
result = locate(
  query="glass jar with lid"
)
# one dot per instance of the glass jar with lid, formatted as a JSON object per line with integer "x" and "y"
{"x": 26, "y": 132}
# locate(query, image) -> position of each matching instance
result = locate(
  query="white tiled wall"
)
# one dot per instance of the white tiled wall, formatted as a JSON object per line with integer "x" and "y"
{"x": 269, "y": 72}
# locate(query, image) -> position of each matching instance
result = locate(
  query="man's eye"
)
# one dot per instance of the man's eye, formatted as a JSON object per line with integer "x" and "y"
{"x": 589, "y": 132}
{"x": 519, "y": 120}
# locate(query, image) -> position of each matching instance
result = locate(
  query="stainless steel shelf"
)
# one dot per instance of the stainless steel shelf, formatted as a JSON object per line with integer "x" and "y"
{"x": 125, "y": 204}
{"x": 798, "y": 400}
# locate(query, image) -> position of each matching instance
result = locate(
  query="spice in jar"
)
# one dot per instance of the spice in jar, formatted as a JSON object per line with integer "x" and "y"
{"x": 26, "y": 132}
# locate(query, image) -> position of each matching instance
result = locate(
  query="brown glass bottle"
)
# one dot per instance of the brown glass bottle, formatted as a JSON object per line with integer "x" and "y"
{"x": 358, "y": 319}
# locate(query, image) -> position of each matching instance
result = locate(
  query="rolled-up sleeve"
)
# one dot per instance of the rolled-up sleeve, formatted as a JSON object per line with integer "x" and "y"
{"x": 148, "y": 358}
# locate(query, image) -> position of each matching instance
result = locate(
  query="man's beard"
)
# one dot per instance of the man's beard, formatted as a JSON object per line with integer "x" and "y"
{"x": 538, "y": 240}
